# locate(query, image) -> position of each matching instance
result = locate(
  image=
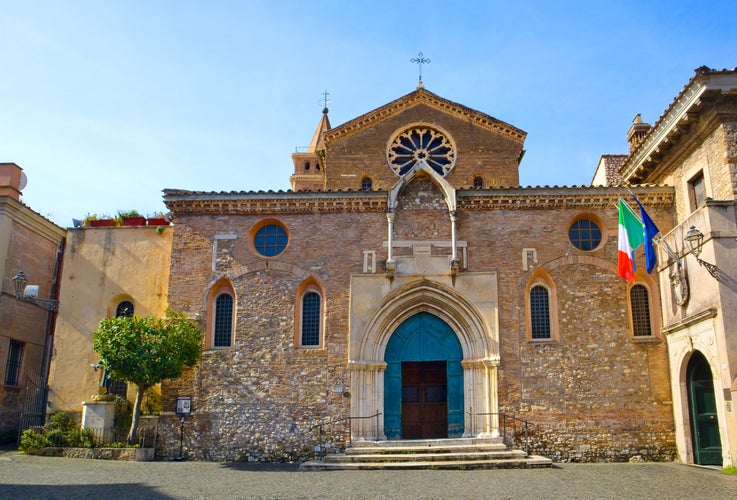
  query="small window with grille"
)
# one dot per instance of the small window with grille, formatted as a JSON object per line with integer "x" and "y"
{"x": 223, "y": 325}
{"x": 125, "y": 309}
{"x": 12, "y": 367}
{"x": 640, "y": 307}
{"x": 540, "y": 313}
{"x": 311, "y": 312}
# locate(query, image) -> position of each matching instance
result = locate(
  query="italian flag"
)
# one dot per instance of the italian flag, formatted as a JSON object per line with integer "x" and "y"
{"x": 630, "y": 237}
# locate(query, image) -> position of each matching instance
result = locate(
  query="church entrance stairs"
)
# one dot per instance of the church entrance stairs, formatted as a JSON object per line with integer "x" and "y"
{"x": 415, "y": 454}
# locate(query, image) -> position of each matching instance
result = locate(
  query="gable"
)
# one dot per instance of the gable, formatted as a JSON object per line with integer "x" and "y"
{"x": 423, "y": 96}
{"x": 483, "y": 146}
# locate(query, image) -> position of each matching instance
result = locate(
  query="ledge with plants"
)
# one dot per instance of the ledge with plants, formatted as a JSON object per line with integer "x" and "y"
{"x": 124, "y": 218}
{"x": 61, "y": 437}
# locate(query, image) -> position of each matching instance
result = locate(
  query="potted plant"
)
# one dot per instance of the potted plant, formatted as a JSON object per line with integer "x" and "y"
{"x": 92, "y": 220}
{"x": 157, "y": 220}
{"x": 132, "y": 218}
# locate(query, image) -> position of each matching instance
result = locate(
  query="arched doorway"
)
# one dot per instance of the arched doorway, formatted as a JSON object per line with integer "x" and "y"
{"x": 702, "y": 405}
{"x": 423, "y": 381}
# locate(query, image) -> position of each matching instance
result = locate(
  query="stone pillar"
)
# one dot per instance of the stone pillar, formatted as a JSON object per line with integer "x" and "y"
{"x": 367, "y": 398}
{"x": 390, "y": 236}
{"x": 453, "y": 238}
{"x": 481, "y": 398}
{"x": 100, "y": 416}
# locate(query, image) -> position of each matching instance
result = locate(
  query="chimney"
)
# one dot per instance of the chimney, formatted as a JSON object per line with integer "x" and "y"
{"x": 12, "y": 180}
{"x": 637, "y": 132}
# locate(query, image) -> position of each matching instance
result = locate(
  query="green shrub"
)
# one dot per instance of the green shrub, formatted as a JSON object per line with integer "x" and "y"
{"x": 61, "y": 421}
{"x": 80, "y": 438}
{"x": 31, "y": 441}
{"x": 123, "y": 413}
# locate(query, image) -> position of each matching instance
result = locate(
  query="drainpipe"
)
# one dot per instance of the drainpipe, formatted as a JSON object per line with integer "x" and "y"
{"x": 51, "y": 324}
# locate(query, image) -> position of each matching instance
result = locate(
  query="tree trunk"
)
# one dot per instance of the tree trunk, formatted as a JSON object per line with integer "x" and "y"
{"x": 136, "y": 414}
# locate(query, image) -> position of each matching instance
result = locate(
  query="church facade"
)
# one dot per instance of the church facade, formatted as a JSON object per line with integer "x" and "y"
{"x": 407, "y": 287}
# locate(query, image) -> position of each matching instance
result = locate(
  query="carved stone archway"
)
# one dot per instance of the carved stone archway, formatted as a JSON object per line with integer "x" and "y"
{"x": 472, "y": 318}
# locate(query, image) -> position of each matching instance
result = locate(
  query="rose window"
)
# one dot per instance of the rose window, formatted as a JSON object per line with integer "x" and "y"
{"x": 421, "y": 143}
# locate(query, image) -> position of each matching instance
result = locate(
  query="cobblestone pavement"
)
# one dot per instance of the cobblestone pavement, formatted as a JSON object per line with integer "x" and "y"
{"x": 42, "y": 477}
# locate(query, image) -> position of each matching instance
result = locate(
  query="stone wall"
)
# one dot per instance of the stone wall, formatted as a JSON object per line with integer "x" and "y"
{"x": 594, "y": 394}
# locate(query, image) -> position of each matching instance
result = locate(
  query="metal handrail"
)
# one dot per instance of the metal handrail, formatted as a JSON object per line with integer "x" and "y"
{"x": 504, "y": 418}
{"x": 348, "y": 428}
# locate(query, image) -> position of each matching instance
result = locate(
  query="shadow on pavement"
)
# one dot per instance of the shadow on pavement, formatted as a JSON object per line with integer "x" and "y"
{"x": 261, "y": 466}
{"x": 107, "y": 491}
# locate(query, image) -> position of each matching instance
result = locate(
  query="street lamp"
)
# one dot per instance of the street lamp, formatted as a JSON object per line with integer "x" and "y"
{"x": 21, "y": 287}
{"x": 695, "y": 239}
{"x": 20, "y": 284}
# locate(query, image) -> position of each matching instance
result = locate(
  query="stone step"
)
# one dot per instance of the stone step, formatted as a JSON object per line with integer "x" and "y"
{"x": 531, "y": 462}
{"x": 411, "y": 450}
{"x": 427, "y": 443}
{"x": 456, "y": 456}
{"x": 408, "y": 454}
{"x": 414, "y": 446}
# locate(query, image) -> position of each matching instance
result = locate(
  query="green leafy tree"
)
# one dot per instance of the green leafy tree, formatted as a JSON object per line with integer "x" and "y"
{"x": 146, "y": 350}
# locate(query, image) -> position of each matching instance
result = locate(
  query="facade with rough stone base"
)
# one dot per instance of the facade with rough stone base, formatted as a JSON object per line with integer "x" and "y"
{"x": 407, "y": 282}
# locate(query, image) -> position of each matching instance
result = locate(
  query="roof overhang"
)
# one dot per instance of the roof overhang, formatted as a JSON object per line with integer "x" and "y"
{"x": 677, "y": 120}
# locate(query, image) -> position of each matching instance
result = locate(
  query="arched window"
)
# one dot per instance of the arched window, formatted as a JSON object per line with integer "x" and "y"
{"x": 307, "y": 165}
{"x": 221, "y": 312}
{"x": 478, "y": 182}
{"x": 124, "y": 309}
{"x": 366, "y": 184}
{"x": 640, "y": 309}
{"x": 222, "y": 333}
{"x": 540, "y": 313}
{"x": 311, "y": 312}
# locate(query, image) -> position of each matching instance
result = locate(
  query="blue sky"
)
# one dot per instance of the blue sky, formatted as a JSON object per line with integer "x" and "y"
{"x": 106, "y": 103}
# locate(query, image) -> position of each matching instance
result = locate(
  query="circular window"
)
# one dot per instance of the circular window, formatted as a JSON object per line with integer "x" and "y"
{"x": 585, "y": 234}
{"x": 270, "y": 240}
{"x": 421, "y": 143}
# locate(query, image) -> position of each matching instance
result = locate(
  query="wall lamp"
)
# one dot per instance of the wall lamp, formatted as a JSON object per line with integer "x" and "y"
{"x": 695, "y": 239}
{"x": 28, "y": 293}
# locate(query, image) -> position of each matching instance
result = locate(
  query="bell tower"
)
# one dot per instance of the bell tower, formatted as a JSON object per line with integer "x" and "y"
{"x": 309, "y": 165}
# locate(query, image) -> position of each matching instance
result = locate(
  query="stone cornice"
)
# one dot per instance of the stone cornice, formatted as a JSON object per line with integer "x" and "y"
{"x": 691, "y": 320}
{"x": 423, "y": 96}
{"x": 201, "y": 203}
{"x": 678, "y": 118}
{"x": 27, "y": 217}
{"x": 561, "y": 197}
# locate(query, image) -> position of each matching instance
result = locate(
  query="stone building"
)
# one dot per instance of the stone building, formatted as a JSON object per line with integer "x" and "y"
{"x": 408, "y": 282}
{"x": 30, "y": 243}
{"x": 693, "y": 148}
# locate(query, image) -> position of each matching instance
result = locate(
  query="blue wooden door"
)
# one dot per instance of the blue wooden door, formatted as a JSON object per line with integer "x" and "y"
{"x": 423, "y": 338}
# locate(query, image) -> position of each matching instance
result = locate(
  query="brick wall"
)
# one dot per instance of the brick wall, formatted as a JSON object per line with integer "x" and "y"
{"x": 595, "y": 394}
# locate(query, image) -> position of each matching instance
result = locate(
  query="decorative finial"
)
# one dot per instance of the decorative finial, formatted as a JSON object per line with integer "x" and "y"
{"x": 420, "y": 60}
{"x": 324, "y": 102}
